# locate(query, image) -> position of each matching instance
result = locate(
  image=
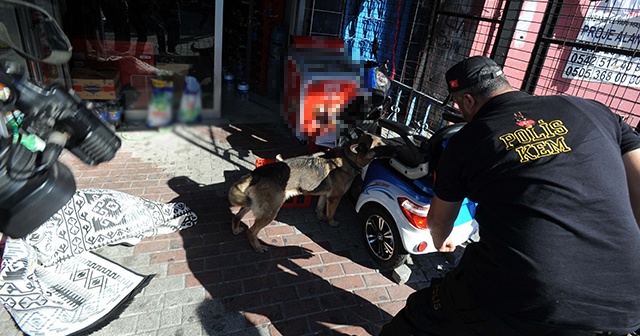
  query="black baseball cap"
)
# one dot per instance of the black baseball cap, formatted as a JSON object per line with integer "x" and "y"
{"x": 466, "y": 73}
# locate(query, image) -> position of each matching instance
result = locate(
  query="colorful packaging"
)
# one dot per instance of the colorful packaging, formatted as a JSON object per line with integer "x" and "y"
{"x": 191, "y": 102}
{"x": 161, "y": 104}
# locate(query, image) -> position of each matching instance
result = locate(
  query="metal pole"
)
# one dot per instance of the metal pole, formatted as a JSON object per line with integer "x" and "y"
{"x": 216, "y": 113}
{"x": 541, "y": 48}
{"x": 247, "y": 68}
{"x": 506, "y": 30}
{"x": 302, "y": 6}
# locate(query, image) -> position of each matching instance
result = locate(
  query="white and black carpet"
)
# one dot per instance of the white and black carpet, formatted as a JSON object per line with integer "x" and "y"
{"x": 52, "y": 284}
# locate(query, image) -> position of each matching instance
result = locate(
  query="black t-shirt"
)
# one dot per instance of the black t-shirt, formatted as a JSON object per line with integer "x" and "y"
{"x": 559, "y": 242}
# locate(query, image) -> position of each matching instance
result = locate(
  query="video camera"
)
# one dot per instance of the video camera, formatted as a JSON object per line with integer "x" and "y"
{"x": 34, "y": 185}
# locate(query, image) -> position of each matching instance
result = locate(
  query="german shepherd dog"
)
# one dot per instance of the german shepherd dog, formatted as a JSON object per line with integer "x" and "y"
{"x": 328, "y": 175}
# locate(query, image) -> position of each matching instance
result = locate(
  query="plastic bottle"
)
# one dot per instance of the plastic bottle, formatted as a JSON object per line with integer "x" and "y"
{"x": 101, "y": 111}
{"x": 228, "y": 81}
{"x": 114, "y": 114}
{"x": 243, "y": 91}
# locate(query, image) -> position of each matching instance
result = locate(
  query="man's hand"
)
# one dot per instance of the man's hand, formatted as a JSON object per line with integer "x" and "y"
{"x": 441, "y": 216}
{"x": 448, "y": 246}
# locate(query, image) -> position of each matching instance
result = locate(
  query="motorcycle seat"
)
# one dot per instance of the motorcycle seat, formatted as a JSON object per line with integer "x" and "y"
{"x": 414, "y": 147}
{"x": 417, "y": 156}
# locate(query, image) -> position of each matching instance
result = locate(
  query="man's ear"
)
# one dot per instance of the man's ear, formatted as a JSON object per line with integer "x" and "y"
{"x": 469, "y": 101}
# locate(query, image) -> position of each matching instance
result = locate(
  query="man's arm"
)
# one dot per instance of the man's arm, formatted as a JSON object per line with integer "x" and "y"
{"x": 441, "y": 216}
{"x": 632, "y": 167}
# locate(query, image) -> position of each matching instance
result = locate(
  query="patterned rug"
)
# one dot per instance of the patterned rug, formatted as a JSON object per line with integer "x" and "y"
{"x": 52, "y": 284}
{"x": 95, "y": 218}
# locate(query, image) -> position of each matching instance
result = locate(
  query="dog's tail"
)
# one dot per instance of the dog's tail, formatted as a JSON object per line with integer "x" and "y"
{"x": 237, "y": 194}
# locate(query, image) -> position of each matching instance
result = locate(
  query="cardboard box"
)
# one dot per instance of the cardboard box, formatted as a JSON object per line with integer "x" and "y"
{"x": 176, "y": 72}
{"x": 96, "y": 84}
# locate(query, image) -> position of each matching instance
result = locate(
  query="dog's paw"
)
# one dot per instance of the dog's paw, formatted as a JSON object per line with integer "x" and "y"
{"x": 261, "y": 248}
{"x": 321, "y": 215}
{"x": 237, "y": 230}
{"x": 334, "y": 223}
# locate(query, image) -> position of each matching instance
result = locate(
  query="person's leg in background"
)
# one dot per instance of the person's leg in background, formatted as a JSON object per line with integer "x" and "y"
{"x": 116, "y": 13}
{"x": 170, "y": 13}
{"x": 139, "y": 17}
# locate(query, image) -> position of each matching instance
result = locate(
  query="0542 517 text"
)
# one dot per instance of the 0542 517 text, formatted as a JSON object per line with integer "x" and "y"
{"x": 603, "y": 67}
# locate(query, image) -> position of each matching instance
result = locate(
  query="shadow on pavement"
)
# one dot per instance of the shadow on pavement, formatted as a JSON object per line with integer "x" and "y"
{"x": 291, "y": 289}
{"x": 249, "y": 290}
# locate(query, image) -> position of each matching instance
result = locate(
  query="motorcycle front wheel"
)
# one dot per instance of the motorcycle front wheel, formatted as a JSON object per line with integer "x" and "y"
{"x": 382, "y": 237}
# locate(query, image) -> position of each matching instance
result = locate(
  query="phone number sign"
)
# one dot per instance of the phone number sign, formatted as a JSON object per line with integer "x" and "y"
{"x": 614, "y": 24}
{"x": 603, "y": 67}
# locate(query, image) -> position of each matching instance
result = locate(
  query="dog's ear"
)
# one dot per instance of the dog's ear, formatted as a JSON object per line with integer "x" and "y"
{"x": 358, "y": 148}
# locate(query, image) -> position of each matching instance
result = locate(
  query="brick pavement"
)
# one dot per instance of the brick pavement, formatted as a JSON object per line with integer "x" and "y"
{"x": 314, "y": 280}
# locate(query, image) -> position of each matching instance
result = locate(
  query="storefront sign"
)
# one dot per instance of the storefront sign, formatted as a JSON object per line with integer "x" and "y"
{"x": 613, "y": 24}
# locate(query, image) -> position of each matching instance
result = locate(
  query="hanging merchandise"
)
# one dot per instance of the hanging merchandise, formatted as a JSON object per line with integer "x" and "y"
{"x": 191, "y": 102}
{"x": 161, "y": 104}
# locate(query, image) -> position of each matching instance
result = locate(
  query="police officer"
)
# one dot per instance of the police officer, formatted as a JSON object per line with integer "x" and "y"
{"x": 557, "y": 182}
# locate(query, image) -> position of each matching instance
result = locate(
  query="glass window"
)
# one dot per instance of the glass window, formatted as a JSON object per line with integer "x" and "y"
{"x": 146, "y": 49}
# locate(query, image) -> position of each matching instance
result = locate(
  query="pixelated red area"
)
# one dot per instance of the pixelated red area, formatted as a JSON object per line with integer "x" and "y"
{"x": 323, "y": 101}
{"x": 318, "y": 42}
